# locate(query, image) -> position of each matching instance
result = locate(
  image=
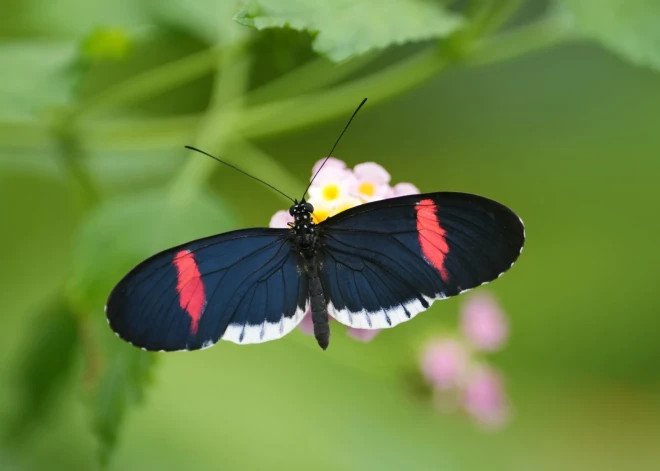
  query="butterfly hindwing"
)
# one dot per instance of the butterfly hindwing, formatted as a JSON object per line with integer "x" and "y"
{"x": 384, "y": 262}
{"x": 243, "y": 286}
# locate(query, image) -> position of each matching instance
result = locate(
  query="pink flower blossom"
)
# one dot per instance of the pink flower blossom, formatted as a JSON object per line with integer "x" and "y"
{"x": 483, "y": 322}
{"x": 307, "y": 325}
{"x": 484, "y": 398}
{"x": 331, "y": 163}
{"x": 333, "y": 174}
{"x": 403, "y": 189}
{"x": 372, "y": 182}
{"x": 280, "y": 219}
{"x": 444, "y": 362}
{"x": 363, "y": 335}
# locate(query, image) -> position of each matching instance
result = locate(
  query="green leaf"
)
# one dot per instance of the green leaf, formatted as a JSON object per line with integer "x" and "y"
{"x": 120, "y": 233}
{"x": 346, "y": 28}
{"x": 123, "y": 383}
{"x": 44, "y": 366}
{"x": 630, "y": 28}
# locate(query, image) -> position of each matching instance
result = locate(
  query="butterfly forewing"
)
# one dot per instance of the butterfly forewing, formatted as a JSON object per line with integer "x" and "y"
{"x": 384, "y": 262}
{"x": 244, "y": 286}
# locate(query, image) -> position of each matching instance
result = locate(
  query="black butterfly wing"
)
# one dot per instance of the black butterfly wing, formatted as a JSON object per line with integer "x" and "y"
{"x": 244, "y": 286}
{"x": 384, "y": 262}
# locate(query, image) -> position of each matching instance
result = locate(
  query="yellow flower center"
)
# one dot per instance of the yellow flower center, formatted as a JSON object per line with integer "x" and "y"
{"x": 331, "y": 192}
{"x": 320, "y": 215}
{"x": 367, "y": 188}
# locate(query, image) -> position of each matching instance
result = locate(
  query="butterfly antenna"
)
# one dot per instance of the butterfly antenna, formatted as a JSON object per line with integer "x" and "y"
{"x": 238, "y": 169}
{"x": 333, "y": 147}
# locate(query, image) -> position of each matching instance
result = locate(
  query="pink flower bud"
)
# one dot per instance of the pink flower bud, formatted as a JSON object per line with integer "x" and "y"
{"x": 306, "y": 326}
{"x": 443, "y": 363}
{"x": 363, "y": 335}
{"x": 484, "y": 398}
{"x": 483, "y": 322}
{"x": 280, "y": 219}
{"x": 403, "y": 189}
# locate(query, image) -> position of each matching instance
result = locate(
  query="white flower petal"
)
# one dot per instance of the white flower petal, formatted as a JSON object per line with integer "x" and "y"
{"x": 331, "y": 163}
{"x": 372, "y": 172}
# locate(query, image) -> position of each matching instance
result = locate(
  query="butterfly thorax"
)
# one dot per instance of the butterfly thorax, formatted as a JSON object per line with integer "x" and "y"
{"x": 303, "y": 227}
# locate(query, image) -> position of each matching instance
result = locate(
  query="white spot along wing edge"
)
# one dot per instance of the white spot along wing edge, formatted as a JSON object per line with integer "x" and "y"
{"x": 264, "y": 332}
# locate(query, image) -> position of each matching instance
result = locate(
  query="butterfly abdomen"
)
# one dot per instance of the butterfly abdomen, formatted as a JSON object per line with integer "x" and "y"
{"x": 318, "y": 304}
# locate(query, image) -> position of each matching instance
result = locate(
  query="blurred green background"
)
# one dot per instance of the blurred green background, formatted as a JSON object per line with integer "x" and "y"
{"x": 566, "y": 135}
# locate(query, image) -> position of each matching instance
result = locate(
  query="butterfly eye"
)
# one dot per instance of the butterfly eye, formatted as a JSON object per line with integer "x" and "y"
{"x": 309, "y": 208}
{"x": 291, "y": 210}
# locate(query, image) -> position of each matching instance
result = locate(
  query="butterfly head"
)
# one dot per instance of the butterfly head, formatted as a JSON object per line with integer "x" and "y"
{"x": 298, "y": 209}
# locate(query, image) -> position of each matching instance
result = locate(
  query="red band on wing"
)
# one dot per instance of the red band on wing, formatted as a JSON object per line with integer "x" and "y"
{"x": 432, "y": 236}
{"x": 190, "y": 287}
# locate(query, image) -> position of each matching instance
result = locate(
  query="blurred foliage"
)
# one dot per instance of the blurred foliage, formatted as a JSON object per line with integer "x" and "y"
{"x": 627, "y": 27}
{"x": 106, "y": 44}
{"x": 46, "y": 362}
{"x": 122, "y": 385}
{"x": 97, "y": 100}
{"x": 344, "y": 28}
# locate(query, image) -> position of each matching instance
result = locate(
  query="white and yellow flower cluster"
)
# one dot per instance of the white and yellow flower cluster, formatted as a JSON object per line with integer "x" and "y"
{"x": 337, "y": 188}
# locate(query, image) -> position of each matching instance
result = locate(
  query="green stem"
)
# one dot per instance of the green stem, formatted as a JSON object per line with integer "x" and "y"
{"x": 136, "y": 134}
{"x": 316, "y": 74}
{"x": 486, "y": 16}
{"x": 24, "y": 134}
{"x": 258, "y": 163}
{"x": 498, "y": 14}
{"x": 286, "y": 115}
{"x": 172, "y": 130}
{"x": 306, "y": 110}
{"x": 218, "y": 126}
{"x": 311, "y": 76}
{"x": 150, "y": 83}
{"x": 524, "y": 40}
{"x": 71, "y": 157}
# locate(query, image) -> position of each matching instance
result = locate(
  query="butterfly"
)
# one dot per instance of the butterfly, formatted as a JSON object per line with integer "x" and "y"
{"x": 373, "y": 266}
